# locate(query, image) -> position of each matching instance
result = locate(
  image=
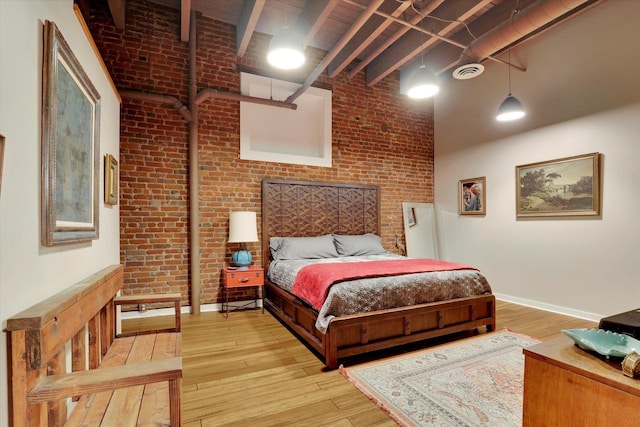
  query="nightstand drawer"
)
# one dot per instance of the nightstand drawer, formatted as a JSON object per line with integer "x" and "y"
{"x": 237, "y": 278}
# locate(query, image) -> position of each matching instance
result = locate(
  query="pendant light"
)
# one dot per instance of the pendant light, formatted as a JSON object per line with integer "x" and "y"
{"x": 423, "y": 83}
{"x": 285, "y": 50}
{"x": 511, "y": 108}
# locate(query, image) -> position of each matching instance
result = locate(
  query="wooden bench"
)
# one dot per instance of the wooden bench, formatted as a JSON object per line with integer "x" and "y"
{"x": 123, "y": 381}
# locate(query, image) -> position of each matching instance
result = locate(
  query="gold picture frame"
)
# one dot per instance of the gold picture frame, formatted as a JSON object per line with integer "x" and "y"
{"x": 110, "y": 180}
{"x": 566, "y": 187}
{"x": 472, "y": 196}
{"x": 70, "y": 146}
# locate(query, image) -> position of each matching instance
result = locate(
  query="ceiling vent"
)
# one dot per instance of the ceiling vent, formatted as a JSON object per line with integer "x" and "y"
{"x": 468, "y": 71}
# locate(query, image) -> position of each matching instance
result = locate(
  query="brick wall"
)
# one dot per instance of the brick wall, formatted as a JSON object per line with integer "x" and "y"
{"x": 379, "y": 137}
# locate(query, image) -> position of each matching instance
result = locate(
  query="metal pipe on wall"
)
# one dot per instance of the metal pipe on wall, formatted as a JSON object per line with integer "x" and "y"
{"x": 194, "y": 173}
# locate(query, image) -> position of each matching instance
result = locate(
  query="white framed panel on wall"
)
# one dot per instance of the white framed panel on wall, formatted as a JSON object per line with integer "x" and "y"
{"x": 420, "y": 230}
{"x": 273, "y": 134}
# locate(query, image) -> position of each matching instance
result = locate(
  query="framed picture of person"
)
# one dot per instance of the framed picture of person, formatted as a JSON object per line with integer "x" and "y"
{"x": 472, "y": 196}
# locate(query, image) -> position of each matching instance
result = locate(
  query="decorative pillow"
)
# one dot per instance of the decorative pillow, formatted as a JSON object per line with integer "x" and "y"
{"x": 302, "y": 247}
{"x": 364, "y": 244}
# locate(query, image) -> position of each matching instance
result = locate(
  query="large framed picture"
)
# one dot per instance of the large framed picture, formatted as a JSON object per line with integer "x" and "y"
{"x": 472, "y": 195}
{"x": 559, "y": 188}
{"x": 70, "y": 146}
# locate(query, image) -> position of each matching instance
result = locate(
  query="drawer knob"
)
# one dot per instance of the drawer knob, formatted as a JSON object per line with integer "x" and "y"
{"x": 244, "y": 280}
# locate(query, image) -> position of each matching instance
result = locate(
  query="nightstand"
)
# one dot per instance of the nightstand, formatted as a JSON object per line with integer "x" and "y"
{"x": 236, "y": 278}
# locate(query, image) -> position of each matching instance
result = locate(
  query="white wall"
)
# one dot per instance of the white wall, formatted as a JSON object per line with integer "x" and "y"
{"x": 581, "y": 91}
{"x": 30, "y": 272}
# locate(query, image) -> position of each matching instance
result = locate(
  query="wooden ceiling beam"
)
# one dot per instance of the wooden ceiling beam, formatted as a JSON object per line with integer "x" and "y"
{"x": 367, "y": 34}
{"x": 251, "y": 10}
{"x": 355, "y": 27}
{"x": 414, "y": 44}
{"x": 313, "y": 17}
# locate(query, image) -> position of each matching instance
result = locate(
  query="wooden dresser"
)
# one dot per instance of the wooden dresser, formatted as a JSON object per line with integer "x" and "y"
{"x": 567, "y": 386}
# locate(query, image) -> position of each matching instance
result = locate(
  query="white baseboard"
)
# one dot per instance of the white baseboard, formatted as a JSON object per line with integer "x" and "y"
{"x": 594, "y": 317}
{"x": 550, "y": 307}
{"x": 185, "y": 309}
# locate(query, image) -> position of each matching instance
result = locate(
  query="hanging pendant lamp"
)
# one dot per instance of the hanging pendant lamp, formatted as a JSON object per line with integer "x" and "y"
{"x": 510, "y": 109}
{"x": 423, "y": 84}
{"x": 285, "y": 50}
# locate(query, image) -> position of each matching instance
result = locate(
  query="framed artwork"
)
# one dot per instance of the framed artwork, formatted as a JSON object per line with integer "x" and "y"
{"x": 1, "y": 157}
{"x": 70, "y": 146}
{"x": 110, "y": 180}
{"x": 472, "y": 196}
{"x": 411, "y": 216}
{"x": 559, "y": 188}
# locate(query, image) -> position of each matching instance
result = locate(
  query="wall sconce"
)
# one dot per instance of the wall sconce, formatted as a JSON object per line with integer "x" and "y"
{"x": 242, "y": 229}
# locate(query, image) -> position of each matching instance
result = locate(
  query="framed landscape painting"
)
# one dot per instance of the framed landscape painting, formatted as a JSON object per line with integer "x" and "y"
{"x": 559, "y": 188}
{"x": 70, "y": 146}
{"x": 472, "y": 196}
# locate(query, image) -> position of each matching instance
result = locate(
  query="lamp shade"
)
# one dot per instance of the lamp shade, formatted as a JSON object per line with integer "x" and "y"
{"x": 242, "y": 227}
{"x": 423, "y": 84}
{"x": 510, "y": 109}
{"x": 285, "y": 50}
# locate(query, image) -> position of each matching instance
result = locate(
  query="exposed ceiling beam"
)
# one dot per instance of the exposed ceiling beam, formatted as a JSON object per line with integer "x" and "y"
{"x": 251, "y": 10}
{"x": 369, "y": 32}
{"x": 313, "y": 18}
{"x": 185, "y": 19}
{"x": 412, "y": 45}
{"x": 370, "y": 10}
{"x": 391, "y": 40}
{"x": 117, "y": 9}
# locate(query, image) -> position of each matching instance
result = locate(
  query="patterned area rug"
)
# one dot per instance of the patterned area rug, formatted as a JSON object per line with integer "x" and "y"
{"x": 473, "y": 382}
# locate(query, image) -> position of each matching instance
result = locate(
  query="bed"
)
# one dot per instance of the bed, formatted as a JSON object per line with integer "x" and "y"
{"x": 316, "y": 209}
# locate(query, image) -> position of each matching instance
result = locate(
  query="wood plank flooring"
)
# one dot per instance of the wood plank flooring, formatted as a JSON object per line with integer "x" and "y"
{"x": 249, "y": 370}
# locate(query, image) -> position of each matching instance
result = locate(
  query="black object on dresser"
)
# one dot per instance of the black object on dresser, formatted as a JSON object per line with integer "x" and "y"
{"x": 624, "y": 323}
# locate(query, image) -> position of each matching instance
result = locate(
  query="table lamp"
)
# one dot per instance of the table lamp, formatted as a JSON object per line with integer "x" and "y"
{"x": 242, "y": 229}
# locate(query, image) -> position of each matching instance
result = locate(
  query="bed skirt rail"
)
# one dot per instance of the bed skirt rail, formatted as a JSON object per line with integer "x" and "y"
{"x": 363, "y": 333}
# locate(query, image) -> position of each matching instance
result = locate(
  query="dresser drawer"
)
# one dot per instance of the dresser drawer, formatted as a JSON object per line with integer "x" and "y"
{"x": 237, "y": 278}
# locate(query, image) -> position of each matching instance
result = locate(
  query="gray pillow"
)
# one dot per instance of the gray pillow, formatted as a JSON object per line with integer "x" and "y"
{"x": 302, "y": 247}
{"x": 364, "y": 244}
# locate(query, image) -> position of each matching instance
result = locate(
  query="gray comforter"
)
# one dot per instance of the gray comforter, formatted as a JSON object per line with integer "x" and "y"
{"x": 378, "y": 293}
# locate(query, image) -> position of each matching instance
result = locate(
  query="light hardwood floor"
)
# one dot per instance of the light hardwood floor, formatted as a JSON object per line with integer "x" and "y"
{"x": 249, "y": 370}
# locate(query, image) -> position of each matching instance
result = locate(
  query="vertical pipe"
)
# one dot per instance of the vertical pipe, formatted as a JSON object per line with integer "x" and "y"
{"x": 194, "y": 176}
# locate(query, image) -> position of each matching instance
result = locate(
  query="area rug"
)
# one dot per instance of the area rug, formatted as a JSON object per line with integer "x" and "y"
{"x": 473, "y": 382}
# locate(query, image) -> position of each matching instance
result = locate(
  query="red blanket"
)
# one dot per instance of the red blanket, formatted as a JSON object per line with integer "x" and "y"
{"x": 313, "y": 281}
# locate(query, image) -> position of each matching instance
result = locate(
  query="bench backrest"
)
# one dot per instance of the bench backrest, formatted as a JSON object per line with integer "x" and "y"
{"x": 83, "y": 313}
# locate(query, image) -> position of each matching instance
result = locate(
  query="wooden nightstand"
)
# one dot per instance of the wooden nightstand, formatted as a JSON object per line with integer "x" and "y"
{"x": 236, "y": 278}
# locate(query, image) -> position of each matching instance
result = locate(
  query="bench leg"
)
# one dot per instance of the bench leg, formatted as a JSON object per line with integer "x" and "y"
{"x": 174, "y": 401}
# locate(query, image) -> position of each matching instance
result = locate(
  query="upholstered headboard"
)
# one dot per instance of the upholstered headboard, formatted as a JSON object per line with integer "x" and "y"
{"x": 307, "y": 208}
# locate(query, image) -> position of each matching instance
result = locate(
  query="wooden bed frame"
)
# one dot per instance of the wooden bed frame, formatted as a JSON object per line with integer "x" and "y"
{"x": 301, "y": 208}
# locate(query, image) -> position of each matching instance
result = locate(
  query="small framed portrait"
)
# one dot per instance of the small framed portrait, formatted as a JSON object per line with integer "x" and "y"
{"x": 110, "y": 180}
{"x": 472, "y": 196}
{"x": 411, "y": 216}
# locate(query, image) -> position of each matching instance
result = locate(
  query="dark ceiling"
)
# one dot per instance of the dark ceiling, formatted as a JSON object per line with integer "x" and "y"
{"x": 382, "y": 36}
